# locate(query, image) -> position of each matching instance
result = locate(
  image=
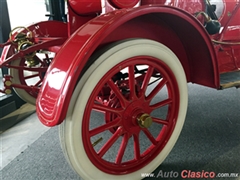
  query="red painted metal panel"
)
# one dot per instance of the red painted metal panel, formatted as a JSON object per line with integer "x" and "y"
{"x": 123, "y": 3}
{"x": 85, "y": 7}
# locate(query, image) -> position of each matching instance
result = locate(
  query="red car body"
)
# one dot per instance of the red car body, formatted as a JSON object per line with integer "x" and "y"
{"x": 204, "y": 57}
{"x": 179, "y": 41}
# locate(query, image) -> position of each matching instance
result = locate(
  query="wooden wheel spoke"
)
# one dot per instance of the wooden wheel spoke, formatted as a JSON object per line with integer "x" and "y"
{"x": 110, "y": 142}
{"x": 104, "y": 109}
{"x": 131, "y": 80}
{"x": 150, "y": 136}
{"x": 105, "y": 127}
{"x": 156, "y": 89}
{"x": 161, "y": 104}
{"x": 160, "y": 121}
{"x": 38, "y": 83}
{"x": 137, "y": 153}
{"x": 31, "y": 76}
{"x": 122, "y": 149}
{"x": 118, "y": 93}
{"x": 146, "y": 80}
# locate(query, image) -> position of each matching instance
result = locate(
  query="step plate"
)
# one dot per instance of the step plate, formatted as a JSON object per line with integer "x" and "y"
{"x": 231, "y": 79}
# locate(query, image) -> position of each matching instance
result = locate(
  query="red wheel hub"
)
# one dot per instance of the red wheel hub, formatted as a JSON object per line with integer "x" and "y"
{"x": 132, "y": 112}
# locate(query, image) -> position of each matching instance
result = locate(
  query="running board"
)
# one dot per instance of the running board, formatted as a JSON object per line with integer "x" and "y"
{"x": 231, "y": 79}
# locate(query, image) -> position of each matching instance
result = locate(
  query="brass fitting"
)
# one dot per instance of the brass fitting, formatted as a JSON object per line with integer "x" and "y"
{"x": 144, "y": 121}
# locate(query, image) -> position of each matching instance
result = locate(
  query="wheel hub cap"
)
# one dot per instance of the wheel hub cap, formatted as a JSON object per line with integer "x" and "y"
{"x": 144, "y": 121}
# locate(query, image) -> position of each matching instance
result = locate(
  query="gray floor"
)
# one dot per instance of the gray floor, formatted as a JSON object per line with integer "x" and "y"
{"x": 210, "y": 141}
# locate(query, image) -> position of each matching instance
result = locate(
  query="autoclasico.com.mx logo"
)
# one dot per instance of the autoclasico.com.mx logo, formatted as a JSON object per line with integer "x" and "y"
{"x": 189, "y": 174}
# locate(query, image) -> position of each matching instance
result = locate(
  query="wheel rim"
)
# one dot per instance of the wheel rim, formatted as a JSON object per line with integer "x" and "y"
{"x": 129, "y": 119}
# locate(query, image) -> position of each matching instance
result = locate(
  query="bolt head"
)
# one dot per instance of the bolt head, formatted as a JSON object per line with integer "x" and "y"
{"x": 145, "y": 120}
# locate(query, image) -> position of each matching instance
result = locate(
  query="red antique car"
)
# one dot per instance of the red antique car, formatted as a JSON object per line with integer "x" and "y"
{"x": 114, "y": 77}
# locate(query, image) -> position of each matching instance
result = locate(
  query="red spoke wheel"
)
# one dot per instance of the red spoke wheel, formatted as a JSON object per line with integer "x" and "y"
{"x": 126, "y": 112}
{"x": 27, "y": 80}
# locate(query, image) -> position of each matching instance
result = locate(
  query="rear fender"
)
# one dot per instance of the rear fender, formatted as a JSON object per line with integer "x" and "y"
{"x": 65, "y": 70}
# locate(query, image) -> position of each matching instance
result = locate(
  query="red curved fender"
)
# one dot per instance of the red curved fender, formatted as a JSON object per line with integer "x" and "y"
{"x": 62, "y": 75}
